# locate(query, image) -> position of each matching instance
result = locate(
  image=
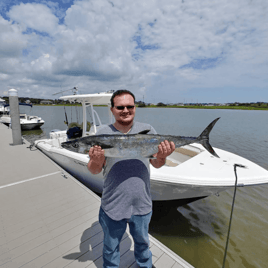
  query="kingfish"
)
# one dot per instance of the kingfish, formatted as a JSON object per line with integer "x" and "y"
{"x": 141, "y": 145}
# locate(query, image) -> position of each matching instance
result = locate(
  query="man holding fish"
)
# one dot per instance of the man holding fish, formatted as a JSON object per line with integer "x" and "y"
{"x": 126, "y": 197}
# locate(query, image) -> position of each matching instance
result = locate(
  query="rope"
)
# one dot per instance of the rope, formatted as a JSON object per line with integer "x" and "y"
{"x": 34, "y": 145}
{"x": 231, "y": 216}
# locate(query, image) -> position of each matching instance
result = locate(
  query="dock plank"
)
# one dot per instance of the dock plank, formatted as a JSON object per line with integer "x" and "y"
{"x": 165, "y": 261}
{"x": 157, "y": 253}
{"x": 177, "y": 265}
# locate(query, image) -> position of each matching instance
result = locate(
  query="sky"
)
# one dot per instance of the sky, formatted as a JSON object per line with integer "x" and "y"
{"x": 169, "y": 51}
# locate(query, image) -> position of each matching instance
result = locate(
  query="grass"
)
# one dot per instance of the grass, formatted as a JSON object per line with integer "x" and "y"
{"x": 212, "y": 107}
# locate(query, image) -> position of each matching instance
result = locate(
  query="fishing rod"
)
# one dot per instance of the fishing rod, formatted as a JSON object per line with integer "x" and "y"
{"x": 75, "y": 91}
{"x": 66, "y": 121}
{"x": 231, "y": 216}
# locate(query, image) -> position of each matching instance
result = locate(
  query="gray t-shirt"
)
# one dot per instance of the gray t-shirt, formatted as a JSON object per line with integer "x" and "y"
{"x": 126, "y": 189}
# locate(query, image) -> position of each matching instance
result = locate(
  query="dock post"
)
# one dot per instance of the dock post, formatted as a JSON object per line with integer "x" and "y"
{"x": 15, "y": 116}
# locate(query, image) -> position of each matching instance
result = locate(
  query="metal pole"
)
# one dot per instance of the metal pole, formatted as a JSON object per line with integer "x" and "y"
{"x": 15, "y": 116}
{"x": 93, "y": 117}
{"x": 84, "y": 118}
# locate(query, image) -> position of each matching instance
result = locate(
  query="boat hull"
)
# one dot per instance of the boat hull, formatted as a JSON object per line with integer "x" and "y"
{"x": 27, "y": 126}
{"x": 31, "y": 126}
{"x": 24, "y": 124}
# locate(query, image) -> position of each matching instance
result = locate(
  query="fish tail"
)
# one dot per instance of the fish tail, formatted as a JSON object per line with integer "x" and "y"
{"x": 204, "y": 137}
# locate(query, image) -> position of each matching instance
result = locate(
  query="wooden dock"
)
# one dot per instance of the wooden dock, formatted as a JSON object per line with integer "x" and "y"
{"x": 49, "y": 219}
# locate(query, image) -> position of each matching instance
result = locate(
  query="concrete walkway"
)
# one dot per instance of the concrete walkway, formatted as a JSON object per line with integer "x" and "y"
{"x": 49, "y": 219}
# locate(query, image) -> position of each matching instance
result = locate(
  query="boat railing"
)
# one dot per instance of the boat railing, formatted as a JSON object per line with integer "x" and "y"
{"x": 97, "y": 116}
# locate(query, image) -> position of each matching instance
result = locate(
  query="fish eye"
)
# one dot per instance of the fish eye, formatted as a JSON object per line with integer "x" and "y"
{"x": 75, "y": 145}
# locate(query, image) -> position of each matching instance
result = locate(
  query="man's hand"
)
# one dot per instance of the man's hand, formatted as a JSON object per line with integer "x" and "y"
{"x": 96, "y": 154}
{"x": 165, "y": 148}
{"x": 97, "y": 159}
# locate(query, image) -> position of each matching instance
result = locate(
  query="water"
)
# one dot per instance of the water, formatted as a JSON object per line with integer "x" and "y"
{"x": 197, "y": 231}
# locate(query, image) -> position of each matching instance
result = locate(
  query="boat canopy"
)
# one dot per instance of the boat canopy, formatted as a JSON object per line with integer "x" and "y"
{"x": 94, "y": 99}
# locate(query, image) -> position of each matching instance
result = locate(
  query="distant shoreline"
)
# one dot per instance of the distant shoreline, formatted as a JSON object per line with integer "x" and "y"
{"x": 211, "y": 107}
{"x": 179, "y": 107}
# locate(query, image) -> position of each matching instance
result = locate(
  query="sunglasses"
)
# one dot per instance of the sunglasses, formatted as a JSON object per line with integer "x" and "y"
{"x": 130, "y": 107}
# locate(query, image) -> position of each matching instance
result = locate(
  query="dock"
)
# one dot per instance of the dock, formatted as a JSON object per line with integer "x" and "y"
{"x": 49, "y": 219}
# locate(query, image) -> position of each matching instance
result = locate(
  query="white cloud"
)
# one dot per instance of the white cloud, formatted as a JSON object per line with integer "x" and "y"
{"x": 34, "y": 16}
{"x": 145, "y": 46}
{"x": 11, "y": 39}
{"x": 4, "y": 77}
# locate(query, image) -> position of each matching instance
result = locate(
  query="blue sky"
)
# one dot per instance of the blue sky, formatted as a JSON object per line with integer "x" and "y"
{"x": 162, "y": 50}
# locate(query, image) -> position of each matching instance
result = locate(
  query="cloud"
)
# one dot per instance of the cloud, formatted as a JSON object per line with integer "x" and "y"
{"x": 11, "y": 39}
{"x": 95, "y": 43}
{"x": 34, "y": 16}
{"x": 146, "y": 46}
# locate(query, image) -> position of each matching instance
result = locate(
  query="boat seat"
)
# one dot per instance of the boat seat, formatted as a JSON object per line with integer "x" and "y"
{"x": 169, "y": 163}
{"x": 73, "y": 124}
{"x": 74, "y": 132}
{"x": 179, "y": 156}
{"x": 186, "y": 152}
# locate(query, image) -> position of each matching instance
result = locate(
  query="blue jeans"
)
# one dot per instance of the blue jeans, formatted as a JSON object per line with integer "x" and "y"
{"x": 113, "y": 233}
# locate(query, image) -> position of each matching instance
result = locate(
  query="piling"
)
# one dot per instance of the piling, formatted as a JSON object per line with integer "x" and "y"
{"x": 15, "y": 117}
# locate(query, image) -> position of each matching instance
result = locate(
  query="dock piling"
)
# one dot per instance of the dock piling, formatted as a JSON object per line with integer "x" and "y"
{"x": 15, "y": 116}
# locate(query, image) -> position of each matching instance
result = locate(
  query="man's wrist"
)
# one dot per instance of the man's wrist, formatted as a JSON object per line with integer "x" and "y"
{"x": 95, "y": 167}
{"x": 96, "y": 163}
{"x": 158, "y": 162}
{"x": 161, "y": 160}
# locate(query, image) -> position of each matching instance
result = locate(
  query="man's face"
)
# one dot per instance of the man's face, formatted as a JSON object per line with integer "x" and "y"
{"x": 125, "y": 116}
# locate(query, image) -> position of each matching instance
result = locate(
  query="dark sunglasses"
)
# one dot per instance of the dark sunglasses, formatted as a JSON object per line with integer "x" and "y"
{"x": 130, "y": 107}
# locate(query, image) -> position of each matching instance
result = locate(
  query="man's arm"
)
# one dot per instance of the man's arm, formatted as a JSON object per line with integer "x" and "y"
{"x": 165, "y": 149}
{"x": 97, "y": 160}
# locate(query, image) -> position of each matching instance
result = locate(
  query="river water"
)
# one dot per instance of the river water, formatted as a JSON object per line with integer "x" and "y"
{"x": 197, "y": 232}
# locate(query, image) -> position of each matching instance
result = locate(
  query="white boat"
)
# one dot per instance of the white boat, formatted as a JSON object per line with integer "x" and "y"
{"x": 27, "y": 122}
{"x": 190, "y": 172}
{"x": 3, "y": 108}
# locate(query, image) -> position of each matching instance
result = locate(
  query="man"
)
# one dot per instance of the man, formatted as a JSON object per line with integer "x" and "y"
{"x": 126, "y": 197}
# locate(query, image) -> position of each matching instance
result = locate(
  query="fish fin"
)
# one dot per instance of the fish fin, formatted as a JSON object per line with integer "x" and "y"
{"x": 204, "y": 138}
{"x": 144, "y": 131}
{"x": 209, "y": 148}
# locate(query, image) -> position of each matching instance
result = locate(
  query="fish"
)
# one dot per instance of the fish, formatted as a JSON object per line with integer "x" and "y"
{"x": 141, "y": 145}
